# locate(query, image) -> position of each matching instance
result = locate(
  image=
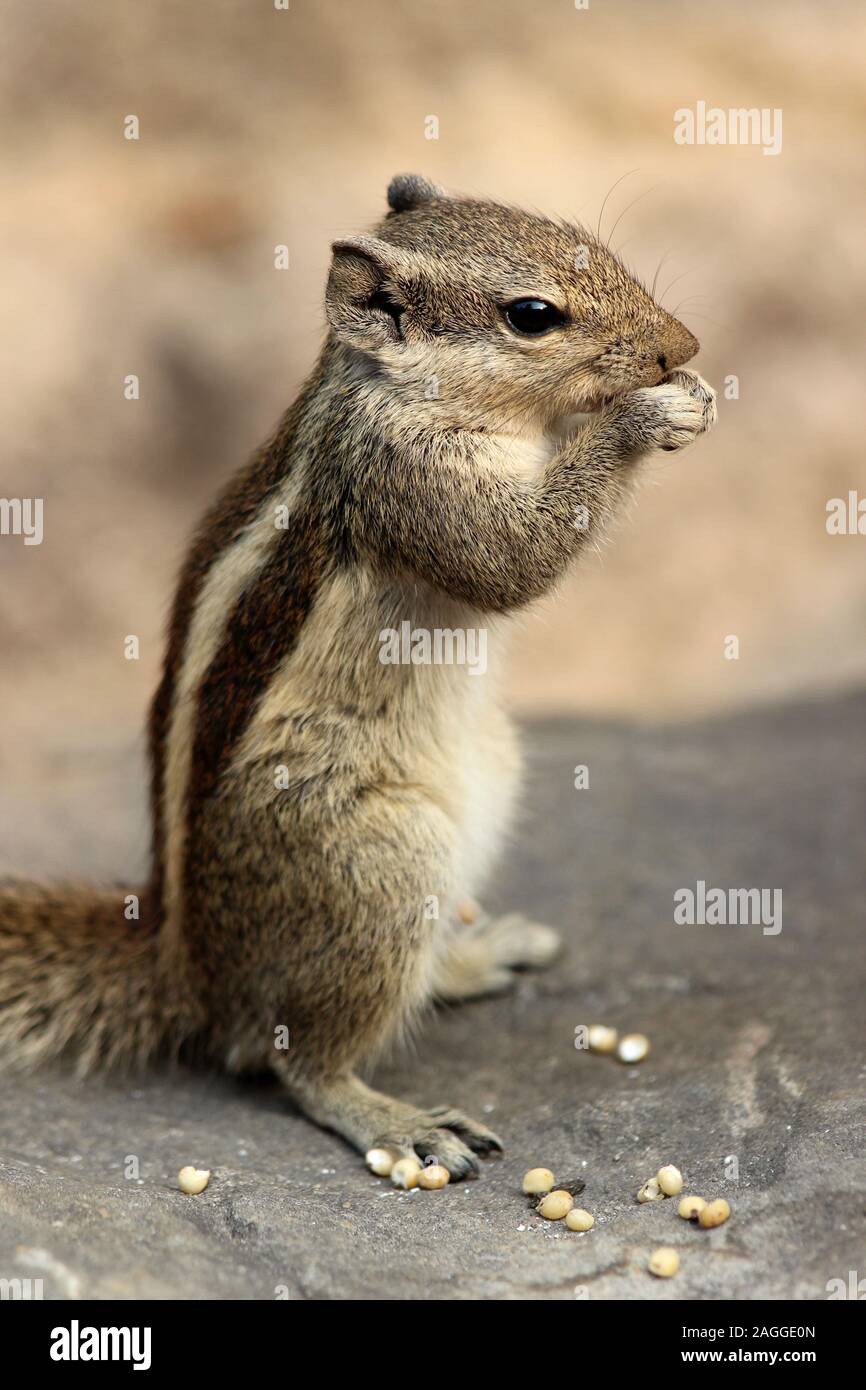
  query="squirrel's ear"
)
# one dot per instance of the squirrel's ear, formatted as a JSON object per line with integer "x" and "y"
{"x": 364, "y": 299}
{"x": 407, "y": 191}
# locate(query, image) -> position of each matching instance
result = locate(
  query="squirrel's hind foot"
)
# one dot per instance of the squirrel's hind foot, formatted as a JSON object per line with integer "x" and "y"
{"x": 482, "y": 958}
{"x": 371, "y": 1120}
{"x": 446, "y": 1135}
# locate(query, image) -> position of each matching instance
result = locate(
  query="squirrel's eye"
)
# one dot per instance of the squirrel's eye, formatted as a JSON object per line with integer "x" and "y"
{"x": 533, "y": 316}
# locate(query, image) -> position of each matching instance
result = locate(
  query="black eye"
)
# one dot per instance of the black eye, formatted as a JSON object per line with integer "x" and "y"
{"x": 533, "y": 316}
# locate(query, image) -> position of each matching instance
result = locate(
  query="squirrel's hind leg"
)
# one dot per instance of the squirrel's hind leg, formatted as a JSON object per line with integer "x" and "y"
{"x": 364, "y": 975}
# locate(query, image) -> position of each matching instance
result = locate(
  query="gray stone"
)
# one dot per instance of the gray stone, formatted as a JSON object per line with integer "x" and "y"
{"x": 757, "y": 1063}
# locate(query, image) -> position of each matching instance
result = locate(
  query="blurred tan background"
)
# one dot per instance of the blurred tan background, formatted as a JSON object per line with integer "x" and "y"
{"x": 261, "y": 127}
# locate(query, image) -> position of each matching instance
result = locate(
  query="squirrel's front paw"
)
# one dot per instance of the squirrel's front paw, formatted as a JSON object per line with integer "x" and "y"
{"x": 668, "y": 416}
{"x": 700, "y": 391}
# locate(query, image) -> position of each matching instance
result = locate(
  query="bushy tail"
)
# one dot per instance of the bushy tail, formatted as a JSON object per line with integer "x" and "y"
{"x": 79, "y": 980}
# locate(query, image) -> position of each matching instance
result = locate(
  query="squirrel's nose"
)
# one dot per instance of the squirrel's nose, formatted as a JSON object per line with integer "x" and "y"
{"x": 677, "y": 346}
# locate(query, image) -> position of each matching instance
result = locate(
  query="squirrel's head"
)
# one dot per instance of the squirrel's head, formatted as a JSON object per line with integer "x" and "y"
{"x": 494, "y": 314}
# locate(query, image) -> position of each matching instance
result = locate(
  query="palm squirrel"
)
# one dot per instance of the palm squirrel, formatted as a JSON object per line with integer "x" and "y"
{"x": 320, "y": 813}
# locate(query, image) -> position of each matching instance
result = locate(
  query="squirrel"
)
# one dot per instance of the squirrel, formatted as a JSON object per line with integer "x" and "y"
{"x": 319, "y": 813}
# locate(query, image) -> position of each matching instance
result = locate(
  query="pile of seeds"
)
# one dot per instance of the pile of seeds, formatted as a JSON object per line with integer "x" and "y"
{"x": 557, "y": 1204}
{"x": 408, "y": 1173}
{"x": 668, "y": 1182}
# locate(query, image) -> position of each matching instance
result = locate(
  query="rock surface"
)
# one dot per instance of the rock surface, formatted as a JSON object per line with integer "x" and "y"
{"x": 754, "y": 1086}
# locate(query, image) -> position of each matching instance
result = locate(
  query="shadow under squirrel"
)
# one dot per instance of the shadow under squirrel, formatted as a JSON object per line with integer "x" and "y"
{"x": 319, "y": 813}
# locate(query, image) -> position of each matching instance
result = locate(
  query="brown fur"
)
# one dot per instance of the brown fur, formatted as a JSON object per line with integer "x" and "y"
{"x": 318, "y": 815}
{"x": 78, "y": 978}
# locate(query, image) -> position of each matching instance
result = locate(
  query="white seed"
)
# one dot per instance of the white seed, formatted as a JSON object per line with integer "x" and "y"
{"x": 406, "y": 1173}
{"x": 555, "y": 1205}
{"x": 601, "y": 1038}
{"x": 579, "y": 1220}
{"x": 633, "y": 1047}
{"x": 193, "y": 1180}
{"x": 650, "y": 1192}
{"x": 690, "y": 1208}
{"x": 380, "y": 1162}
{"x": 433, "y": 1177}
{"x": 538, "y": 1180}
{"x": 670, "y": 1180}
{"x": 715, "y": 1213}
{"x": 664, "y": 1262}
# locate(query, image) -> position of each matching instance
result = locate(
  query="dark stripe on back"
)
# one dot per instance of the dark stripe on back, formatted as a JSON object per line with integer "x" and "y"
{"x": 262, "y": 631}
{"x": 238, "y": 506}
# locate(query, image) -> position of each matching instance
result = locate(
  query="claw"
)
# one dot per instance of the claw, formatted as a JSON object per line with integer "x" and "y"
{"x": 449, "y": 1136}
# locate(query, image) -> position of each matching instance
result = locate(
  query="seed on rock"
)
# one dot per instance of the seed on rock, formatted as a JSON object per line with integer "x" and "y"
{"x": 579, "y": 1220}
{"x": 406, "y": 1173}
{"x": 601, "y": 1038}
{"x": 650, "y": 1192}
{"x": 664, "y": 1262}
{"x": 715, "y": 1213}
{"x": 433, "y": 1176}
{"x": 690, "y": 1208}
{"x": 555, "y": 1205}
{"x": 670, "y": 1180}
{"x": 633, "y": 1048}
{"x": 193, "y": 1180}
{"x": 538, "y": 1180}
